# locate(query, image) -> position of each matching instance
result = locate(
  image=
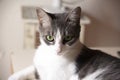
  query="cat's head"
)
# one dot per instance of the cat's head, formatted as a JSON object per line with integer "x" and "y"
{"x": 60, "y": 32}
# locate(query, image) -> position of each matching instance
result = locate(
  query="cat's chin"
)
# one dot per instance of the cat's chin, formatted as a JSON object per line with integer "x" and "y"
{"x": 59, "y": 54}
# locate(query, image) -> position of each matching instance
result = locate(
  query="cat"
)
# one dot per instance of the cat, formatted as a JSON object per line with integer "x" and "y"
{"x": 61, "y": 55}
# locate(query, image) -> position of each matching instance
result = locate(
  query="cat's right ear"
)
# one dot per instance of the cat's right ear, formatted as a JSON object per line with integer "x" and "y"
{"x": 44, "y": 18}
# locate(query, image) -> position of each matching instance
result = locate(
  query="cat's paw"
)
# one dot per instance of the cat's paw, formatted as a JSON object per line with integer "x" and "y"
{"x": 13, "y": 77}
{"x": 18, "y": 77}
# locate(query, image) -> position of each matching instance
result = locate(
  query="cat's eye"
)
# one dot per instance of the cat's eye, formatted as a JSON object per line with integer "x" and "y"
{"x": 50, "y": 38}
{"x": 68, "y": 38}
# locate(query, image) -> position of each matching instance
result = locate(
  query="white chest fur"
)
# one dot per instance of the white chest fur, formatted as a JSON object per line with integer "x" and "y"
{"x": 53, "y": 67}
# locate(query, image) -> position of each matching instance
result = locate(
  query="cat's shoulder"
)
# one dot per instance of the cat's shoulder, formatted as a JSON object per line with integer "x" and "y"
{"x": 88, "y": 52}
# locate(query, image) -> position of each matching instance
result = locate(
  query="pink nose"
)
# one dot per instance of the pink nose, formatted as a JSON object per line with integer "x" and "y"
{"x": 59, "y": 51}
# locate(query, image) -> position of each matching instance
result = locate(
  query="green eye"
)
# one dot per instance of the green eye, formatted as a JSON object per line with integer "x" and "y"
{"x": 50, "y": 38}
{"x": 68, "y": 38}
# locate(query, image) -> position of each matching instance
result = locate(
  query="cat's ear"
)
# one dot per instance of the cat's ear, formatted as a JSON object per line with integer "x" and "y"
{"x": 44, "y": 18}
{"x": 74, "y": 15}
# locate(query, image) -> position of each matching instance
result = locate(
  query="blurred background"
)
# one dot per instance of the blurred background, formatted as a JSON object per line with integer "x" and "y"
{"x": 100, "y": 22}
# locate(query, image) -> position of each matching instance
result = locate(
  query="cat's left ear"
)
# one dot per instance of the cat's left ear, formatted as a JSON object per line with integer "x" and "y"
{"x": 44, "y": 18}
{"x": 74, "y": 15}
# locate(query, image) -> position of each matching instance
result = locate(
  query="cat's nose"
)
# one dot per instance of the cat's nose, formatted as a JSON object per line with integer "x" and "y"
{"x": 59, "y": 50}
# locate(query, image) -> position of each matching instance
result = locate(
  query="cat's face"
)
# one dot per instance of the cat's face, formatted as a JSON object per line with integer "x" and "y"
{"x": 59, "y": 32}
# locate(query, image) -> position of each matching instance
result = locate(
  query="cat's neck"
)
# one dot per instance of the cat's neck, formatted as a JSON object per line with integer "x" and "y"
{"x": 74, "y": 53}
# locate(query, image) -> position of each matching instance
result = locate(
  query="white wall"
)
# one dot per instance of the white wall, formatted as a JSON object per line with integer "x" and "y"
{"x": 104, "y": 29}
{"x": 12, "y": 20}
{"x": 4, "y": 66}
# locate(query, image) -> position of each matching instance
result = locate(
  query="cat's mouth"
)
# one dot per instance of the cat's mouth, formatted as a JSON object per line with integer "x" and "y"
{"x": 62, "y": 53}
{"x": 59, "y": 54}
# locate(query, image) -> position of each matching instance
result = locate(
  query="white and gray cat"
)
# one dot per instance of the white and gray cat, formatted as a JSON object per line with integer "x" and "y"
{"x": 61, "y": 56}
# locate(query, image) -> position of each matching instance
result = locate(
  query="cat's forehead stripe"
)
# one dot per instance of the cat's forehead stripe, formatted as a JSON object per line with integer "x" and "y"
{"x": 58, "y": 35}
